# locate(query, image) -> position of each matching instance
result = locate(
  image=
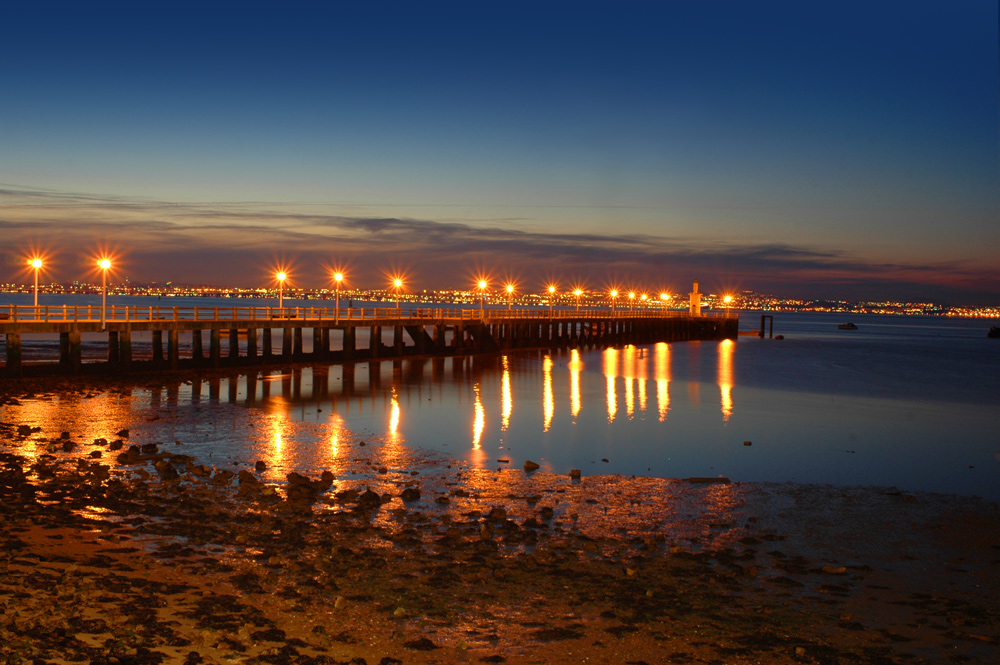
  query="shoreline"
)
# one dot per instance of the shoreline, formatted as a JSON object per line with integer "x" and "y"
{"x": 147, "y": 559}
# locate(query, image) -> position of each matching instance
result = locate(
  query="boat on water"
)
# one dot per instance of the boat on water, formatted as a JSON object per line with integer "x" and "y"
{"x": 847, "y": 326}
{"x": 994, "y": 332}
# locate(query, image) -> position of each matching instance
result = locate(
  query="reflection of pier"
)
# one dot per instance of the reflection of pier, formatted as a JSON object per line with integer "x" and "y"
{"x": 248, "y": 336}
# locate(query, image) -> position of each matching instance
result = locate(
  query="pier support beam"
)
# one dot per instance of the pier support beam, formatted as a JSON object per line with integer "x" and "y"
{"x": 286, "y": 344}
{"x": 173, "y": 347}
{"x": 157, "y": 347}
{"x": 297, "y": 343}
{"x": 234, "y": 344}
{"x": 266, "y": 350}
{"x": 125, "y": 347}
{"x": 251, "y": 345}
{"x": 215, "y": 346}
{"x": 197, "y": 350}
{"x": 13, "y": 366}
{"x": 113, "y": 350}
{"x": 350, "y": 342}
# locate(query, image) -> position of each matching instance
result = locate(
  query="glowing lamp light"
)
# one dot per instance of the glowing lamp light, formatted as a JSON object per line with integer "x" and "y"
{"x": 104, "y": 264}
{"x": 36, "y": 263}
{"x": 338, "y": 277}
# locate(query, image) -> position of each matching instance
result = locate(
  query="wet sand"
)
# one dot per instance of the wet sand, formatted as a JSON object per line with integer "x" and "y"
{"x": 146, "y": 556}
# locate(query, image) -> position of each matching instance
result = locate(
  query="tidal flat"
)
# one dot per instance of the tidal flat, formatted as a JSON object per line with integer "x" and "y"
{"x": 119, "y": 550}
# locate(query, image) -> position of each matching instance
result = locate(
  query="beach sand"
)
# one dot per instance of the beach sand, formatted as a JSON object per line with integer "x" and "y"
{"x": 111, "y": 556}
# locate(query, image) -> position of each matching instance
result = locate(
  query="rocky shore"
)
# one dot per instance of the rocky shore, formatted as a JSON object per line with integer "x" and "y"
{"x": 119, "y": 551}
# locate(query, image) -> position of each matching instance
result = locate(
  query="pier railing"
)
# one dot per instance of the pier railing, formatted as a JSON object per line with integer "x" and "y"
{"x": 92, "y": 313}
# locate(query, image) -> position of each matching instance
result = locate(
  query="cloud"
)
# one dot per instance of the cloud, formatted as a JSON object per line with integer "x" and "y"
{"x": 238, "y": 242}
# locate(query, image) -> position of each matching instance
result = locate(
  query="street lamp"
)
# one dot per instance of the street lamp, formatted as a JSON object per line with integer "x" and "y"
{"x": 643, "y": 298}
{"x": 614, "y": 294}
{"x": 482, "y": 301}
{"x": 728, "y": 300}
{"x": 665, "y": 297}
{"x": 104, "y": 264}
{"x": 36, "y": 263}
{"x": 281, "y": 289}
{"x": 398, "y": 283}
{"x": 552, "y": 297}
{"x": 578, "y": 293}
{"x": 631, "y": 301}
{"x": 510, "y": 295}
{"x": 338, "y": 277}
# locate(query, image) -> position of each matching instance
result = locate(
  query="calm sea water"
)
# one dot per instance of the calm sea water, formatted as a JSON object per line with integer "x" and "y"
{"x": 907, "y": 402}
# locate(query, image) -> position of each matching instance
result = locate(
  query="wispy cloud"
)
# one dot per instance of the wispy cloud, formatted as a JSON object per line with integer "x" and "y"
{"x": 235, "y": 242}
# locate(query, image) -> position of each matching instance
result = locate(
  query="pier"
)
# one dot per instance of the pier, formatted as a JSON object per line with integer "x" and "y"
{"x": 154, "y": 338}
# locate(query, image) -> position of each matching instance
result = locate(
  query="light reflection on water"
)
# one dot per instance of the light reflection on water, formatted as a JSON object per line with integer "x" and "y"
{"x": 844, "y": 414}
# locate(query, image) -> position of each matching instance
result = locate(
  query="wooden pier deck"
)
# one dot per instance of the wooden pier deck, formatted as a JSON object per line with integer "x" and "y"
{"x": 247, "y": 335}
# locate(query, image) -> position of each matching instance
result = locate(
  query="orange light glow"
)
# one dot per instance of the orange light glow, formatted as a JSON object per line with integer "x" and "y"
{"x": 510, "y": 288}
{"x": 726, "y": 349}
{"x": 661, "y": 369}
{"x": 338, "y": 277}
{"x": 548, "y": 402}
{"x": 36, "y": 263}
{"x": 575, "y": 367}
{"x": 104, "y": 264}
{"x": 507, "y": 401}
{"x": 281, "y": 276}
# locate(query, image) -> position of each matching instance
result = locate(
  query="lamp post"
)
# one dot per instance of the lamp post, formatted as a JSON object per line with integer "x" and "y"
{"x": 552, "y": 297}
{"x": 729, "y": 301}
{"x": 665, "y": 297}
{"x": 36, "y": 263}
{"x": 482, "y": 295}
{"x": 281, "y": 289}
{"x": 398, "y": 283}
{"x": 104, "y": 264}
{"x": 614, "y": 295}
{"x": 578, "y": 293}
{"x": 643, "y": 298}
{"x": 510, "y": 295}
{"x": 338, "y": 277}
{"x": 631, "y": 301}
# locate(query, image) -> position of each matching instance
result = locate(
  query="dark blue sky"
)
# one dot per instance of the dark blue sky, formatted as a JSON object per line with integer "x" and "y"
{"x": 843, "y": 149}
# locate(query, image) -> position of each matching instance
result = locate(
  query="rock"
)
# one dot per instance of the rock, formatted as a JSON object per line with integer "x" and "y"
{"x": 100, "y": 442}
{"x": 116, "y": 445}
{"x": 398, "y": 612}
{"x": 631, "y": 572}
{"x": 747, "y": 443}
{"x": 68, "y": 446}
{"x": 64, "y": 435}
{"x": 410, "y": 494}
{"x": 605, "y": 460}
{"x": 260, "y": 466}
{"x": 24, "y": 430}
{"x": 834, "y": 570}
{"x": 383, "y": 469}
{"x": 369, "y": 500}
{"x": 340, "y": 603}
{"x": 149, "y": 449}
{"x": 222, "y": 477}
{"x": 799, "y": 651}
{"x": 95, "y": 454}
{"x": 166, "y": 470}
{"x": 546, "y": 512}
{"x": 574, "y": 474}
{"x": 530, "y": 466}
{"x": 122, "y": 433}
{"x": 422, "y": 644}
{"x": 247, "y": 479}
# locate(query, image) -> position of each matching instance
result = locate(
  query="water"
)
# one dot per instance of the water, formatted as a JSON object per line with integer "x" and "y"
{"x": 906, "y": 402}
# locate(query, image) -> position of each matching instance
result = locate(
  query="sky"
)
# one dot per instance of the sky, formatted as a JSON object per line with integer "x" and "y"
{"x": 808, "y": 149}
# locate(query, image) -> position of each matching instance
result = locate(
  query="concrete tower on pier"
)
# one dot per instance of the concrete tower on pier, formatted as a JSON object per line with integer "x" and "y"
{"x": 695, "y": 306}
